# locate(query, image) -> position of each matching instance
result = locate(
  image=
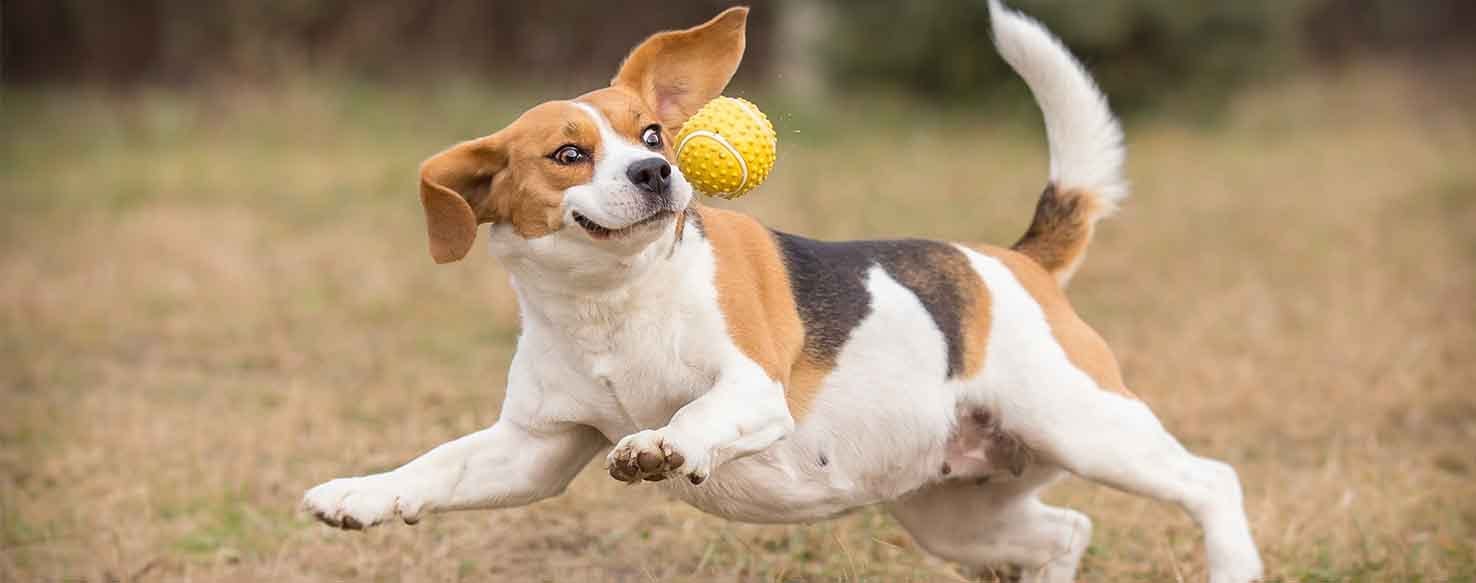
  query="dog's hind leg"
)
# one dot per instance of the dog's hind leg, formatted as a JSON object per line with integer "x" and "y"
{"x": 1054, "y": 385}
{"x": 997, "y": 523}
{"x": 1118, "y": 441}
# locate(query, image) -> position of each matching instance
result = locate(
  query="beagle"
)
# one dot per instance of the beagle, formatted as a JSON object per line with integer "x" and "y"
{"x": 767, "y": 377}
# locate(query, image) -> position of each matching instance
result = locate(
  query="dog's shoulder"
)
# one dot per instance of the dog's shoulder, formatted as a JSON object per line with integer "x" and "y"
{"x": 755, "y": 294}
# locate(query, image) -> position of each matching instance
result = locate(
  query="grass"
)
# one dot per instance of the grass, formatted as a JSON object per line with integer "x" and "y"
{"x": 209, "y": 303}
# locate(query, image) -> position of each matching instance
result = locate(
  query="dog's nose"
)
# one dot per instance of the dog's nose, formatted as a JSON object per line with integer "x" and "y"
{"x": 652, "y": 175}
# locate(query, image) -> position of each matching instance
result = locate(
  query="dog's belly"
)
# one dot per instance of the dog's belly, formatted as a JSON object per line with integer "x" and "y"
{"x": 836, "y": 461}
{"x": 764, "y": 490}
{"x": 788, "y": 483}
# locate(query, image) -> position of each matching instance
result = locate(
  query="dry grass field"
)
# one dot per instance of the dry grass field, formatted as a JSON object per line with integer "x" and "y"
{"x": 209, "y": 304}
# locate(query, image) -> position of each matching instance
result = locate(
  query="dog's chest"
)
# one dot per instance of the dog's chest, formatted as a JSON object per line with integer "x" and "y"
{"x": 634, "y": 368}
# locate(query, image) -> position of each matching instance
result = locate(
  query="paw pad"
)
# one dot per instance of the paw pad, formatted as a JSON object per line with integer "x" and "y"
{"x": 647, "y": 457}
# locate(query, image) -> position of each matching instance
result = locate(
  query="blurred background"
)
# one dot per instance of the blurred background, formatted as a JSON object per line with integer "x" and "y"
{"x": 214, "y": 290}
{"x": 1199, "y": 51}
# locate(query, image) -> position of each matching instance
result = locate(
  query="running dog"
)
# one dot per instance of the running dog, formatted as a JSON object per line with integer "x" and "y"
{"x": 767, "y": 377}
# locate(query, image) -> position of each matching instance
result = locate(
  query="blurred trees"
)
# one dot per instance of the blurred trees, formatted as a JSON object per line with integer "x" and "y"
{"x": 186, "y": 41}
{"x": 1143, "y": 51}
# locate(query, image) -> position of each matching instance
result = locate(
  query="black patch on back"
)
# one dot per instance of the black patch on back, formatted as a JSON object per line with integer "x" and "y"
{"x": 829, "y": 282}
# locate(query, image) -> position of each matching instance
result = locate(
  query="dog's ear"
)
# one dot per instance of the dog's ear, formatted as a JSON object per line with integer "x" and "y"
{"x": 677, "y": 72}
{"x": 454, "y": 185}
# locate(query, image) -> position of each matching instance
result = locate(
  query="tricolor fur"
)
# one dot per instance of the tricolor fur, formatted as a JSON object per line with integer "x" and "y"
{"x": 784, "y": 379}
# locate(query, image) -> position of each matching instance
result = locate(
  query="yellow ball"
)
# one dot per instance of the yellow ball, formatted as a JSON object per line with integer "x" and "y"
{"x": 727, "y": 148}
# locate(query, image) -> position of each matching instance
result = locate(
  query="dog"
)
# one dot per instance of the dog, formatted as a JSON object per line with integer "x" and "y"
{"x": 766, "y": 377}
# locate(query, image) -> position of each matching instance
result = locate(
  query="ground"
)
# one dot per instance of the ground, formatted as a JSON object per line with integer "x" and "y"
{"x": 210, "y": 304}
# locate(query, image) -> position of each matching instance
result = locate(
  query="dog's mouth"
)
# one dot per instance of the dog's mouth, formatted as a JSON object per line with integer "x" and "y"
{"x": 602, "y": 232}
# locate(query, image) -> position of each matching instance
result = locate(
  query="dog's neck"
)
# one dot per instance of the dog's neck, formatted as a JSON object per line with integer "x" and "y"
{"x": 557, "y": 279}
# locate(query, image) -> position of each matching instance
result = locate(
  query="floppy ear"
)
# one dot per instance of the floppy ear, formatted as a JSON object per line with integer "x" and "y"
{"x": 677, "y": 72}
{"x": 452, "y": 184}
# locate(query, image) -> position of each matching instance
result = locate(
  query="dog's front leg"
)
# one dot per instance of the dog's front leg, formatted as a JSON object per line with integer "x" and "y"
{"x": 507, "y": 464}
{"x": 742, "y": 414}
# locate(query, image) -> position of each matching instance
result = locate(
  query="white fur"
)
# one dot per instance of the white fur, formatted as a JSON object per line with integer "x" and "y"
{"x": 1085, "y": 139}
{"x": 1057, "y": 408}
{"x": 1003, "y": 523}
{"x": 625, "y": 346}
{"x": 652, "y": 357}
{"x": 609, "y": 198}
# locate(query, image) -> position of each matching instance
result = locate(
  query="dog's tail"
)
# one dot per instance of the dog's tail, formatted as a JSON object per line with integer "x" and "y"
{"x": 1085, "y": 143}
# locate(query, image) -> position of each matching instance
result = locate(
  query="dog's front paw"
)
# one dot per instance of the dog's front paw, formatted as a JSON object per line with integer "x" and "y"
{"x": 654, "y": 456}
{"x": 359, "y": 503}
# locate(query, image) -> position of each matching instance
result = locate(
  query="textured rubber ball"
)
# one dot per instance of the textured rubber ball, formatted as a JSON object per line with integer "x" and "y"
{"x": 727, "y": 148}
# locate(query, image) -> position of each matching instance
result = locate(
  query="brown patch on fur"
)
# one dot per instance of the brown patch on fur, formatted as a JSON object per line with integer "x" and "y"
{"x": 804, "y": 384}
{"x": 626, "y": 112}
{"x": 447, "y": 182}
{"x": 1082, "y": 344}
{"x": 677, "y": 72}
{"x": 505, "y": 178}
{"x": 629, "y": 116}
{"x": 975, "y": 322}
{"x": 947, "y": 263}
{"x": 758, "y": 305}
{"x": 1061, "y": 230}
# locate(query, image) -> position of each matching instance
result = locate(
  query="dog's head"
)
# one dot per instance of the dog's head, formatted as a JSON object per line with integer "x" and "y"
{"x": 595, "y": 170}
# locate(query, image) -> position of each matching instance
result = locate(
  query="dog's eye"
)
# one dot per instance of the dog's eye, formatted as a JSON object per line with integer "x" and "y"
{"x": 651, "y": 137}
{"x": 569, "y": 154}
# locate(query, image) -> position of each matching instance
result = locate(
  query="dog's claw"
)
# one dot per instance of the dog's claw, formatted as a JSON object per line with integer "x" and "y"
{"x": 363, "y": 502}
{"x": 624, "y": 472}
